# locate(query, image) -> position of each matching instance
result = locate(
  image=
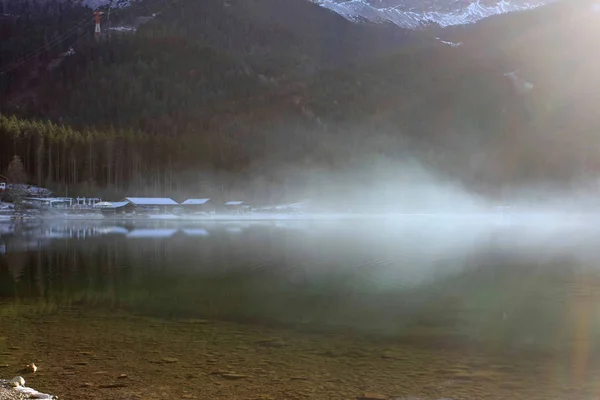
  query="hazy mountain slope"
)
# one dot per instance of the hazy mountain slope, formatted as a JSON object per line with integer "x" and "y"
{"x": 262, "y": 101}
{"x": 281, "y": 26}
{"x": 199, "y": 53}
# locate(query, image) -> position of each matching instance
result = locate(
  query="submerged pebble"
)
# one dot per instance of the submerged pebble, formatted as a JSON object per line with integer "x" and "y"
{"x": 30, "y": 368}
{"x": 17, "y": 381}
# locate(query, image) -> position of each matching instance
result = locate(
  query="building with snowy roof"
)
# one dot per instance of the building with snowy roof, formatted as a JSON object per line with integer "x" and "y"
{"x": 198, "y": 205}
{"x": 114, "y": 207}
{"x": 151, "y": 204}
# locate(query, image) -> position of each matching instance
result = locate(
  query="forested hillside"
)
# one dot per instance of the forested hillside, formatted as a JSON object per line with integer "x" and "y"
{"x": 241, "y": 98}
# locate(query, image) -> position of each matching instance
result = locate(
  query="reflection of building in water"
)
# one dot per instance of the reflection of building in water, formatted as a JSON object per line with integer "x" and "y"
{"x": 16, "y": 238}
{"x": 195, "y": 232}
{"x": 151, "y": 233}
{"x": 72, "y": 232}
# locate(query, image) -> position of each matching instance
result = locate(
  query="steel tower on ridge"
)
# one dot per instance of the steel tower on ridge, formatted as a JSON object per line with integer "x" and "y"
{"x": 97, "y": 20}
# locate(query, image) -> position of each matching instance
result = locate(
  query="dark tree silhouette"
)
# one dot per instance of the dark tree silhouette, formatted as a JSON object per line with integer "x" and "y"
{"x": 16, "y": 171}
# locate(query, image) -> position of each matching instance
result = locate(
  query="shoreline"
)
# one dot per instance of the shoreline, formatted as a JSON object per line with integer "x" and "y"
{"x": 10, "y": 391}
{"x": 112, "y": 355}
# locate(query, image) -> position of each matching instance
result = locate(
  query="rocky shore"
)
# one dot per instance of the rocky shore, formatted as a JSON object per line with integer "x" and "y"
{"x": 84, "y": 354}
{"x": 15, "y": 389}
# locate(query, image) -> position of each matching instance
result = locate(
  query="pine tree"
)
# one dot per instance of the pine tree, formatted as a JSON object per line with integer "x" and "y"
{"x": 17, "y": 176}
{"x": 16, "y": 171}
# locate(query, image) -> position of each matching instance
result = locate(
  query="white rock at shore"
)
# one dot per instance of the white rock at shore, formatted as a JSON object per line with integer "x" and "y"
{"x": 15, "y": 389}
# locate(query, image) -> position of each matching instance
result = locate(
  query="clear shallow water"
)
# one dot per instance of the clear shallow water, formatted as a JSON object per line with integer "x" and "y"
{"x": 421, "y": 306}
{"x": 448, "y": 281}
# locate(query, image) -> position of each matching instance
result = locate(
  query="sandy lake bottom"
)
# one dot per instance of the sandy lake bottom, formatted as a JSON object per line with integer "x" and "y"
{"x": 83, "y": 354}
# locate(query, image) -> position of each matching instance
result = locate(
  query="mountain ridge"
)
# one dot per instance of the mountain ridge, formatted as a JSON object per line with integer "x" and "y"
{"x": 414, "y": 16}
{"x": 241, "y": 95}
{"x": 406, "y": 14}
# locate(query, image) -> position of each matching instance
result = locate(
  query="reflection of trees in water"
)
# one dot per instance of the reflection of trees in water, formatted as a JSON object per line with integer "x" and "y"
{"x": 7, "y": 283}
{"x": 508, "y": 300}
{"x": 16, "y": 266}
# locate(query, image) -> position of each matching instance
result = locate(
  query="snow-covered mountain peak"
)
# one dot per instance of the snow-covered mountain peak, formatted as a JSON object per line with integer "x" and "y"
{"x": 404, "y": 13}
{"x": 416, "y": 13}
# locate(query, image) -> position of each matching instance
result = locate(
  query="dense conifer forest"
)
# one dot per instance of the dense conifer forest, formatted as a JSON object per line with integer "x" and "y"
{"x": 237, "y": 98}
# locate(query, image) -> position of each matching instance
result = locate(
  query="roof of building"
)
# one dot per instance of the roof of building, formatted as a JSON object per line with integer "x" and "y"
{"x": 234, "y": 203}
{"x": 195, "y": 202}
{"x": 151, "y": 201}
{"x": 111, "y": 204}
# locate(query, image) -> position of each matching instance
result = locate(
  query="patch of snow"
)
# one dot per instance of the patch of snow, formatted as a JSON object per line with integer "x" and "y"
{"x": 70, "y": 52}
{"x": 31, "y": 189}
{"x": 102, "y": 3}
{"x": 123, "y": 29}
{"x": 451, "y": 44}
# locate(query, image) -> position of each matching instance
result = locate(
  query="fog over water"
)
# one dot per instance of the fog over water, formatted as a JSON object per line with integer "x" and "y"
{"x": 502, "y": 279}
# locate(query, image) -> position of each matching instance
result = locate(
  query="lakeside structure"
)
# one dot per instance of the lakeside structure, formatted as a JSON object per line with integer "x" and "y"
{"x": 199, "y": 205}
{"x": 37, "y": 204}
{"x": 134, "y": 205}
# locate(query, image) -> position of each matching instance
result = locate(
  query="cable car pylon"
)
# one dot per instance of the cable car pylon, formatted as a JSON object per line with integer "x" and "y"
{"x": 97, "y": 28}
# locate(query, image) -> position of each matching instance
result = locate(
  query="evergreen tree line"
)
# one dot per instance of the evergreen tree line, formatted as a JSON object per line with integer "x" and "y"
{"x": 58, "y": 155}
{"x": 113, "y": 163}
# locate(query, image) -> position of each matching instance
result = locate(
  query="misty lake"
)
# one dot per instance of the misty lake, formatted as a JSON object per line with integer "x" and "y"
{"x": 429, "y": 307}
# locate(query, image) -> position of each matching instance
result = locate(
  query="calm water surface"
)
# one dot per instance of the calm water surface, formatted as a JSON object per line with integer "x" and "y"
{"x": 512, "y": 284}
{"x": 506, "y": 288}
